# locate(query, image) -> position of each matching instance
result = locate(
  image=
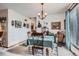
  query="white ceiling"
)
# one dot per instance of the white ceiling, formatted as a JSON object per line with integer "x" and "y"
{"x": 31, "y": 9}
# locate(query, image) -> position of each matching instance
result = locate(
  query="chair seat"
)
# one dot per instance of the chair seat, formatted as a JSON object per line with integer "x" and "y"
{"x": 37, "y": 47}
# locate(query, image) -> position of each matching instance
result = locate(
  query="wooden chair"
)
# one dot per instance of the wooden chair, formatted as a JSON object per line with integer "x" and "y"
{"x": 47, "y": 52}
{"x": 29, "y": 47}
{"x": 1, "y": 38}
{"x": 36, "y": 47}
{"x": 60, "y": 37}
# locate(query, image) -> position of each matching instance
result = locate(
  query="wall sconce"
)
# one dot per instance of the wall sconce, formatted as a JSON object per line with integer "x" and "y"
{"x": 24, "y": 24}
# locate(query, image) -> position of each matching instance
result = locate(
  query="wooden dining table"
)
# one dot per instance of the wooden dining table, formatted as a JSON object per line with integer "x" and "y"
{"x": 48, "y": 41}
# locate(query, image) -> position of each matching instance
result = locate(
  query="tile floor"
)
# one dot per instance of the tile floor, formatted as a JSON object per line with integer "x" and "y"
{"x": 23, "y": 51}
{"x": 62, "y": 51}
{"x": 76, "y": 51}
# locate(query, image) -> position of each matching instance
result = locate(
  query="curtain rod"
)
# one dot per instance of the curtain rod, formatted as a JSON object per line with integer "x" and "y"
{"x": 72, "y": 6}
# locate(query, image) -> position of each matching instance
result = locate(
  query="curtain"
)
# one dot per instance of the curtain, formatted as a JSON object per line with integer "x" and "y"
{"x": 68, "y": 38}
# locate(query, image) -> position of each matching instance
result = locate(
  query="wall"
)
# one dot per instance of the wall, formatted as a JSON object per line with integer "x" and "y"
{"x": 29, "y": 22}
{"x": 4, "y": 13}
{"x": 53, "y": 18}
{"x": 16, "y": 35}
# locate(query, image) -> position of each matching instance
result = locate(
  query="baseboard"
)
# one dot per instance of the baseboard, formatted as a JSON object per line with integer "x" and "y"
{"x": 74, "y": 50}
{"x": 73, "y": 53}
{"x": 10, "y": 47}
{"x": 75, "y": 47}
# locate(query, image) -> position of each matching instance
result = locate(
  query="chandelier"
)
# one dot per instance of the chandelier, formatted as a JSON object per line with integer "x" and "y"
{"x": 42, "y": 15}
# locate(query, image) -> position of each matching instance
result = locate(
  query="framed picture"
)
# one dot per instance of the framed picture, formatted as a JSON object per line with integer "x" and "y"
{"x": 27, "y": 25}
{"x": 56, "y": 25}
{"x": 18, "y": 24}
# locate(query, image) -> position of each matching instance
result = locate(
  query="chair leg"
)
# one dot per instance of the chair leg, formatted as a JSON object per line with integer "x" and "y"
{"x": 2, "y": 45}
{"x": 30, "y": 49}
{"x": 47, "y": 52}
{"x": 1, "y": 48}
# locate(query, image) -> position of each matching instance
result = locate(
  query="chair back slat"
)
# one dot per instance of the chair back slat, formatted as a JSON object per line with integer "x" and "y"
{"x": 1, "y": 34}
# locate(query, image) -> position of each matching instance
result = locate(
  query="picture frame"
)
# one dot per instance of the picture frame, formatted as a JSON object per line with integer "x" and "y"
{"x": 18, "y": 24}
{"x": 27, "y": 25}
{"x": 56, "y": 25}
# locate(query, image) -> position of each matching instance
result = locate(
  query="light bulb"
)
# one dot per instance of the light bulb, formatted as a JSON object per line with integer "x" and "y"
{"x": 45, "y": 13}
{"x": 38, "y": 13}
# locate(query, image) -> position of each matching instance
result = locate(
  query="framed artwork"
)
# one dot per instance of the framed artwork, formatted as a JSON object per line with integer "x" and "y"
{"x": 18, "y": 24}
{"x": 56, "y": 25}
{"x": 27, "y": 25}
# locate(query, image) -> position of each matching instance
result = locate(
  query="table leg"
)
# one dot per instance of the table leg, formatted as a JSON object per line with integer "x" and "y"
{"x": 33, "y": 50}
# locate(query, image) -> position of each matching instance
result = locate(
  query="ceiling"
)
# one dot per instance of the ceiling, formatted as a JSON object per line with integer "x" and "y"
{"x": 31, "y": 9}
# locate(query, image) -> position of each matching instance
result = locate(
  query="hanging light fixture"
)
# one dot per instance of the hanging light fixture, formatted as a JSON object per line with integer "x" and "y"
{"x": 42, "y": 15}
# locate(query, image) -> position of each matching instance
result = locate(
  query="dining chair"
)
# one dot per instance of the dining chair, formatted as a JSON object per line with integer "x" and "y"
{"x": 1, "y": 42}
{"x": 37, "y": 49}
{"x": 29, "y": 47}
{"x": 1, "y": 38}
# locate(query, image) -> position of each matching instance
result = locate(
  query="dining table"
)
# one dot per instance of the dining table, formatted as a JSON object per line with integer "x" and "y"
{"x": 48, "y": 41}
